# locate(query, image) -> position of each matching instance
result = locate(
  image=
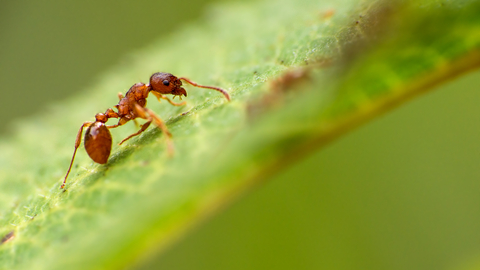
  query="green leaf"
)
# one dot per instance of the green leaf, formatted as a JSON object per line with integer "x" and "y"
{"x": 300, "y": 75}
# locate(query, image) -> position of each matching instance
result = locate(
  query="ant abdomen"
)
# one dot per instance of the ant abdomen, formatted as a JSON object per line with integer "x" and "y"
{"x": 98, "y": 142}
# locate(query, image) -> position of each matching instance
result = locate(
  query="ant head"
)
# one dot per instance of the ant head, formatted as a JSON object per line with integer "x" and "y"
{"x": 166, "y": 83}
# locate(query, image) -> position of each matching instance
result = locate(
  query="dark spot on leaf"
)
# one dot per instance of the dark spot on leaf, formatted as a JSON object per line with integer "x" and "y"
{"x": 8, "y": 237}
{"x": 278, "y": 88}
{"x": 288, "y": 79}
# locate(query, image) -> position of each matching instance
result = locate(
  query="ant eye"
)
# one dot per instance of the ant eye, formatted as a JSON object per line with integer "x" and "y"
{"x": 166, "y": 83}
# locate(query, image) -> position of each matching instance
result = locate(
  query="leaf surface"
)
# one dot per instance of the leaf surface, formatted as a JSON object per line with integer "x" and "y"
{"x": 300, "y": 74}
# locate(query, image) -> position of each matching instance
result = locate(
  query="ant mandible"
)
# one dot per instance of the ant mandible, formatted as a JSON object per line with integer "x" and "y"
{"x": 98, "y": 140}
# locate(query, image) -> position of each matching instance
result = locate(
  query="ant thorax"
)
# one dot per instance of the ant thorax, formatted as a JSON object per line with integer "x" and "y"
{"x": 137, "y": 94}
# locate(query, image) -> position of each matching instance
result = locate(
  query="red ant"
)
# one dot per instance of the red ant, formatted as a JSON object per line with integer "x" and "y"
{"x": 98, "y": 140}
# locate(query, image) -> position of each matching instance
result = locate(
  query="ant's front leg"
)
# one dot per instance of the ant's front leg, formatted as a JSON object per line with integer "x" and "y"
{"x": 160, "y": 96}
{"x": 77, "y": 144}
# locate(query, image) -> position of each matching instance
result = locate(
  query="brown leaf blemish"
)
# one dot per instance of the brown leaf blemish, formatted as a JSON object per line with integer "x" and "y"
{"x": 327, "y": 14}
{"x": 8, "y": 237}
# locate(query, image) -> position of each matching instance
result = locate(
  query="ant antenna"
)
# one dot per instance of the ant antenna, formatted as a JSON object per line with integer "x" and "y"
{"x": 225, "y": 93}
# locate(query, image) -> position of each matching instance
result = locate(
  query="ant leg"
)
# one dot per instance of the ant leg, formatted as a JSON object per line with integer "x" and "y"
{"x": 142, "y": 129}
{"x": 141, "y": 111}
{"x": 77, "y": 144}
{"x": 173, "y": 103}
{"x": 160, "y": 96}
{"x": 120, "y": 95}
{"x": 159, "y": 122}
{"x": 225, "y": 93}
{"x": 113, "y": 126}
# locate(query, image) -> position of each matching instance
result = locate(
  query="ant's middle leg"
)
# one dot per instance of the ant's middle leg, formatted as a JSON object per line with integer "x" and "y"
{"x": 142, "y": 129}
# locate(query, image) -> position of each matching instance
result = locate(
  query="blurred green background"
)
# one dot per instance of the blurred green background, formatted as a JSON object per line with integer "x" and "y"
{"x": 411, "y": 176}
{"x": 50, "y": 50}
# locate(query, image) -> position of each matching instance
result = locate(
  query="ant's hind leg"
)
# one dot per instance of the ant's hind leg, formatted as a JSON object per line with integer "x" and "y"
{"x": 77, "y": 144}
{"x": 142, "y": 129}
